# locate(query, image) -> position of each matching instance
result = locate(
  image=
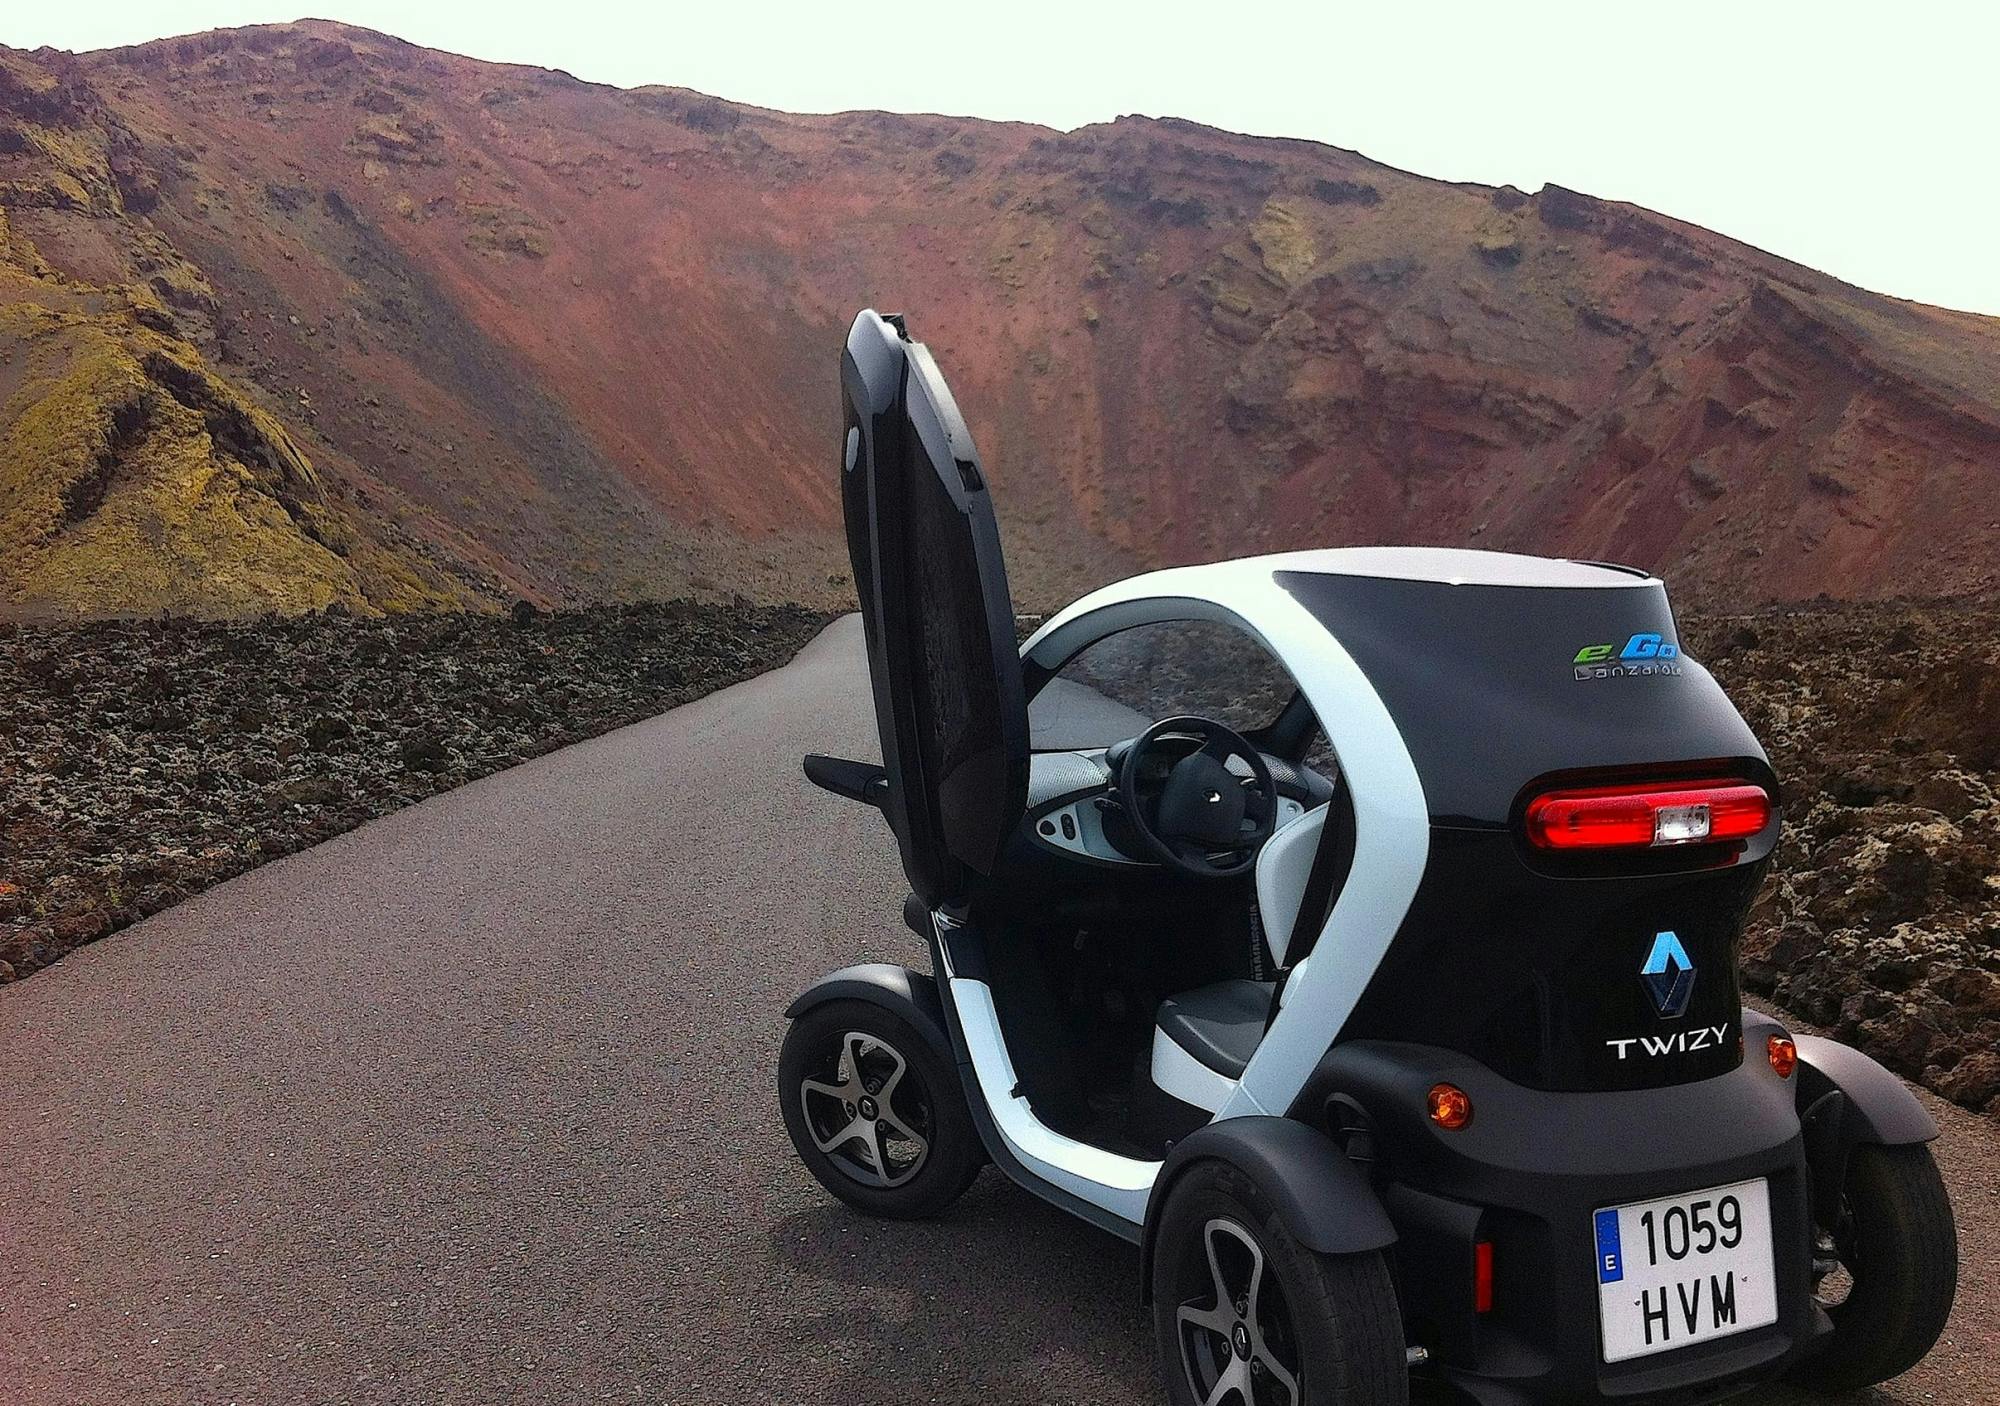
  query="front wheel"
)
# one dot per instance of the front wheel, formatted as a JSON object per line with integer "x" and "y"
{"x": 876, "y": 1114}
{"x": 1247, "y": 1316}
{"x": 1886, "y": 1274}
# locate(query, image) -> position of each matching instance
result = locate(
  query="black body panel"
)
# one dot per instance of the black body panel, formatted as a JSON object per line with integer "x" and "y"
{"x": 1877, "y": 1107}
{"x": 936, "y": 610}
{"x": 856, "y": 781}
{"x": 1538, "y": 976}
{"x": 911, "y": 995}
{"x": 1527, "y": 1174}
{"x": 1527, "y": 960}
{"x": 1323, "y": 1198}
{"x": 1484, "y": 686}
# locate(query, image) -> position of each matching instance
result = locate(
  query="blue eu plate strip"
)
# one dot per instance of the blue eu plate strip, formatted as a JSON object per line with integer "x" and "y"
{"x": 1610, "y": 1253}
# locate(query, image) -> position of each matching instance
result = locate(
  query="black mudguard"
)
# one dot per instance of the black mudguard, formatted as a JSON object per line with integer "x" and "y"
{"x": 1846, "y": 1100}
{"x": 911, "y": 995}
{"x": 1879, "y": 1107}
{"x": 1323, "y": 1199}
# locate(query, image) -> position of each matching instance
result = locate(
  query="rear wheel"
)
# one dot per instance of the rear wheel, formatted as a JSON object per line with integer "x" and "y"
{"x": 1887, "y": 1272}
{"x": 1247, "y": 1316}
{"x": 877, "y": 1114}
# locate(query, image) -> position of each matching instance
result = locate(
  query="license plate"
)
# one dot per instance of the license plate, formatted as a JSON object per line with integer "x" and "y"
{"x": 1684, "y": 1269}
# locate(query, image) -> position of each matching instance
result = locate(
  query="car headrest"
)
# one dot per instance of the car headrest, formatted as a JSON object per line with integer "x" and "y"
{"x": 1283, "y": 867}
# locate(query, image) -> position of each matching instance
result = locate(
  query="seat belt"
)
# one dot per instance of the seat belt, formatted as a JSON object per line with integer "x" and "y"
{"x": 1331, "y": 863}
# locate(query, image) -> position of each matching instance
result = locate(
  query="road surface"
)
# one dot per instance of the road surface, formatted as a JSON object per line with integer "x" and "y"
{"x": 474, "y": 1105}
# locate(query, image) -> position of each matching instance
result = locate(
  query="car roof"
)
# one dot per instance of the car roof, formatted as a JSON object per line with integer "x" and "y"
{"x": 1457, "y": 566}
{"x": 1248, "y": 591}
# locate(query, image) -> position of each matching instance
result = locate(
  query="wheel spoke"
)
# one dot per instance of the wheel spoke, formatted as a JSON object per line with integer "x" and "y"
{"x": 847, "y": 1132}
{"x": 816, "y": 1088}
{"x": 1260, "y": 1353}
{"x": 871, "y": 1146}
{"x": 1235, "y": 1380}
{"x": 888, "y": 1089}
{"x": 1192, "y": 852}
{"x": 848, "y": 1072}
{"x": 1256, "y": 1281}
{"x": 857, "y": 1144}
{"x": 905, "y": 1132}
{"x": 1225, "y": 1298}
{"x": 1218, "y": 1320}
{"x": 1256, "y": 805}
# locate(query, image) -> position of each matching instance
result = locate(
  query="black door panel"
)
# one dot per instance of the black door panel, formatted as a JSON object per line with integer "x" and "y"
{"x": 939, "y": 620}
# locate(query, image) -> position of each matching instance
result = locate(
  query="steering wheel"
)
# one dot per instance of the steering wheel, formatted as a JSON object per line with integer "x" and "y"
{"x": 1206, "y": 821}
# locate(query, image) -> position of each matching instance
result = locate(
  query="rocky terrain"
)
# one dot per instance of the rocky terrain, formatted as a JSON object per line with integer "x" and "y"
{"x": 140, "y": 763}
{"x": 302, "y": 314}
{"x": 1882, "y": 920}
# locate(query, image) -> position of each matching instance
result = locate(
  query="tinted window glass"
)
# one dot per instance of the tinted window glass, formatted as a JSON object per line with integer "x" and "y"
{"x": 1124, "y": 683}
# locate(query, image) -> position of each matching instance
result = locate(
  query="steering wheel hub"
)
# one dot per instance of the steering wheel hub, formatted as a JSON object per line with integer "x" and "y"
{"x": 1204, "y": 819}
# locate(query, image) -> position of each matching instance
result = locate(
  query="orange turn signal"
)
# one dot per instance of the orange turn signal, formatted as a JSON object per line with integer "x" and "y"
{"x": 1784, "y": 1055}
{"x": 1451, "y": 1107}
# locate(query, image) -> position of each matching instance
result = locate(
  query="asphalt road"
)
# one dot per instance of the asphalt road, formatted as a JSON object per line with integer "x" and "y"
{"x": 474, "y": 1105}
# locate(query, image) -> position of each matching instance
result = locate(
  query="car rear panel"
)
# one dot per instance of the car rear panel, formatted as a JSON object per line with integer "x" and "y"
{"x": 1531, "y": 961}
{"x": 1526, "y": 1176}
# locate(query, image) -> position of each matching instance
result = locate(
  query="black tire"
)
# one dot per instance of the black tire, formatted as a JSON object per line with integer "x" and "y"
{"x": 1898, "y": 1248}
{"x": 867, "y": 1152}
{"x": 1332, "y": 1326}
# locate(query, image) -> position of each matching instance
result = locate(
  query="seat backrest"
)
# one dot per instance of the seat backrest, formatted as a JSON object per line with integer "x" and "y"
{"x": 1283, "y": 867}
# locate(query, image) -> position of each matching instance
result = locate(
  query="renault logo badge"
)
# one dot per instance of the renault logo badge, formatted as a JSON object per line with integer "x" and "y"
{"x": 1668, "y": 976}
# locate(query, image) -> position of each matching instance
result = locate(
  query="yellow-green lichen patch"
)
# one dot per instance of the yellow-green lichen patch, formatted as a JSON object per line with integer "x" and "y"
{"x": 502, "y": 229}
{"x": 1285, "y": 241}
{"x": 55, "y": 169}
{"x": 133, "y": 480}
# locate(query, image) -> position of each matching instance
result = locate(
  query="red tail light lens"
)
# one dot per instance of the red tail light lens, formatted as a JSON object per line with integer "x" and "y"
{"x": 1648, "y": 816}
{"x": 1482, "y": 1277}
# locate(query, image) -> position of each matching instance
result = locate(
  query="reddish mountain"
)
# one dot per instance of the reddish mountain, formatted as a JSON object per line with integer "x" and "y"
{"x": 298, "y": 314}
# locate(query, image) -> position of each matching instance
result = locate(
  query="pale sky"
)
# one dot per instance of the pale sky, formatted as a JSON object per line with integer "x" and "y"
{"x": 1857, "y": 139}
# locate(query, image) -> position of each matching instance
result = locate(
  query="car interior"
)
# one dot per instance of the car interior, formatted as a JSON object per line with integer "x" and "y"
{"x": 1134, "y": 977}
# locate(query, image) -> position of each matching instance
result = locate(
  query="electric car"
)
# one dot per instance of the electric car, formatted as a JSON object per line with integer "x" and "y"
{"x": 1355, "y": 931}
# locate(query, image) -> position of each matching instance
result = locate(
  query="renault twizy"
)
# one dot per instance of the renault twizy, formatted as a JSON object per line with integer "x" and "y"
{"x": 1354, "y": 930}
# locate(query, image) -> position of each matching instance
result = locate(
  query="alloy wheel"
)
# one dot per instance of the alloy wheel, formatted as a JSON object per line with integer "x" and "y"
{"x": 1238, "y": 1346}
{"x": 868, "y": 1113}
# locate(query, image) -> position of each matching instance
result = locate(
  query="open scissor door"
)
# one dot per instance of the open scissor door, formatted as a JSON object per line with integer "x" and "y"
{"x": 939, "y": 620}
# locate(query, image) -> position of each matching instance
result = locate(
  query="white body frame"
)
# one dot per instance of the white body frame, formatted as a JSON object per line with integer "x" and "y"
{"x": 1391, "y": 828}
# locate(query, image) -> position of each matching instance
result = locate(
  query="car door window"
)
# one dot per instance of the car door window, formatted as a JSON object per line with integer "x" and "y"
{"x": 1123, "y": 683}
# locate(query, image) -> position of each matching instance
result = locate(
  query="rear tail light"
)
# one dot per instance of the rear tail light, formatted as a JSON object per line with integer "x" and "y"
{"x": 1482, "y": 1277}
{"x": 1650, "y": 816}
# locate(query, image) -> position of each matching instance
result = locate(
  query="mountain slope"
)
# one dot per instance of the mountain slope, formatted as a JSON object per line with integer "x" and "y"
{"x": 497, "y": 332}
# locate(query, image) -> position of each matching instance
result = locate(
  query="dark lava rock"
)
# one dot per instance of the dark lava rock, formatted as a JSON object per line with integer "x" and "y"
{"x": 141, "y": 762}
{"x": 426, "y": 752}
{"x": 325, "y": 730}
{"x": 1883, "y": 722}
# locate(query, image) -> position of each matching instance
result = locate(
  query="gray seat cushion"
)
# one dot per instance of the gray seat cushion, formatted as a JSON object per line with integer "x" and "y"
{"x": 1219, "y": 1025}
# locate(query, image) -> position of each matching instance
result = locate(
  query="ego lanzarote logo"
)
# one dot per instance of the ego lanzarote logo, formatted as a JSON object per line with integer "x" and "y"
{"x": 1644, "y": 655}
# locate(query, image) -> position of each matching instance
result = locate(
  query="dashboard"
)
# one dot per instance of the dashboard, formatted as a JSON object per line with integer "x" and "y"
{"x": 1074, "y": 809}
